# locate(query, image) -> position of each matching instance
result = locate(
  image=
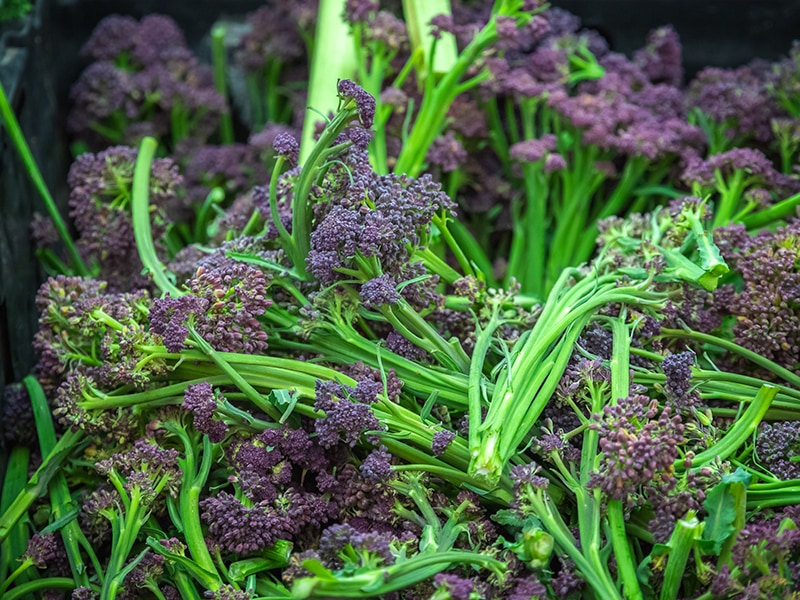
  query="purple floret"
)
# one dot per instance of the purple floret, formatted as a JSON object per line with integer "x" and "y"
{"x": 736, "y": 100}
{"x": 168, "y": 318}
{"x": 379, "y": 291}
{"x": 776, "y": 445}
{"x": 146, "y": 467}
{"x": 286, "y": 145}
{"x": 157, "y": 35}
{"x": 527, "y": 475}
{"x": 16, "y": 408}
{"x": 100, "y": 192}
{"x": 112, "y": 37}
{"x": 661, "y": 58}
{"x": 377, "y": 466}
{"x": 365, "y": 103}
{"x": 765, "y": 305}
{"x": 199, "y": 399}
{"x": 228, "y": 592}
{"x": 41, "y": 549}
{"x": 441, "y": 440}
{"x": 528, "y": 588}
{"x": 457, "y": 587}
{"x": 336, "y": 537}
{"x": 639, "y": 445}
{"x": 678, "y": 370}
{"x": 345, "y": 421}
{"x": 240, "y": 529}
{"x": 748, "y": 161}
{"x": 447, "y": 152}
{"x": 533, "y": 150}
{"x": 226, "y": 302}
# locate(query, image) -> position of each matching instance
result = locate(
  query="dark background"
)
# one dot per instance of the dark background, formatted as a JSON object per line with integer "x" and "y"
{"x": 39, "y": 61}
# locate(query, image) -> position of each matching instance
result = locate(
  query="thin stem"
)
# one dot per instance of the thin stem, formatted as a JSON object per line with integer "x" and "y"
{"x": 18, "y": 139}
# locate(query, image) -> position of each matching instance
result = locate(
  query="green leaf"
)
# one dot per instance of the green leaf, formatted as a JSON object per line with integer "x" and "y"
{"x": 511, "y": 518}
{"x": 312, "y": 565}
{"x": 725, "y": 504}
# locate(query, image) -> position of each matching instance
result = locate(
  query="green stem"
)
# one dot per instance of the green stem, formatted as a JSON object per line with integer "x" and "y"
{"x": 687, "y": 530}
{"x": 742, "y": 429}
{"x": 140, "y": 206}
{"x": 235, "y": 376}
{"x": 60, "y": 498}
{"x": 333, "y": 58}
{"x": 18, "y": 139}
{"x": 27, "y": 590}
{"x": 753, "y": 357}
{"x": 218, "y": 60}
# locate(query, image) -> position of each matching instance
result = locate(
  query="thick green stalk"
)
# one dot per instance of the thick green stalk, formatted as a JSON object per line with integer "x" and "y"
{"x": 140, "y": 207}
{"x": 418, "y": 15}
{"x": 741, "y": 430}
{"x": 37, "y": 484}
{"x": 333, "y": 58}
{"x": 16, "y": 474}
{"x": 60, "y": 498}
{"x": 194, "y": 480}
{"x": 620, "y": 388}
{"x": 781, "y": 210}
{"x": 27, "y": 590}
{"x": 18, "y": 139}
{"x": 687, "y": 530}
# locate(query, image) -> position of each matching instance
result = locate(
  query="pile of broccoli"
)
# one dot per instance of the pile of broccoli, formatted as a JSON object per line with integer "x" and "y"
{"x": 510, "y": 316}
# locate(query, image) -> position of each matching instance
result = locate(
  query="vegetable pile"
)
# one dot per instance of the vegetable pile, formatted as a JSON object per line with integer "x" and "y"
{"x": 504, "y": 314}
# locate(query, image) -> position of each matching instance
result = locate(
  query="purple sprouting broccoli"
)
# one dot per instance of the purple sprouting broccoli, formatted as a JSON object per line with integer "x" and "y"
{"x": 235, "y": 168}
{"x": 369, "y": 383}
{"x": 732, "y": 106}
{"x": 639, "y": 444}
{"x": 144, "y": 576}
{"x": 272, "y": 55}
{"x": 447, "y": 152}
{"x": 229, "y": 592}
{"x": 42, "y": 548}
{"x": 765, "y": 559}
{"x": 128, "y": 42}
{"x": 80, "y": 324}
{"x": 527, "y": 588}
{"x": 784, "y": 82}
{"x": 146, "y": 470}
{"x": 452, "y": 587}
{"x": 743, "y": 179}
{"x": 377, "y": 466}
{"x": 15, "y": 407}
{"x": 342, "y": 546}
{"x": 100, "y": 204}
{"x": 777, "y": 445}
{"x": 661, "y": 58}
{"x": 144, "y": 81}
{"x": 764, "y": 309}
{"x": 111, "y": 427}
{"x": 201, "y": 400}
{"x": 678, "y": 386}
{"x": 113, "y": 39}
{"x": 241, "y": 529}
{"x": 374, "y": 219}
{"x": 223, "y": 307}
{"x": 379, "y": 291}
{"x": 345, "y": 421}
{"x": 441, "y": 440}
